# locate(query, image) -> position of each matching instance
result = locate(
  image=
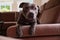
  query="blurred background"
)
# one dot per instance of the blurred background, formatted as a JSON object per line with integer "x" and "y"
{"x": 13, "y": 5}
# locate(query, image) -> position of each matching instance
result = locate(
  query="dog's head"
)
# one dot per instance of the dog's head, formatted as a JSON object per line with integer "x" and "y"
{"x": 31, "y": 10}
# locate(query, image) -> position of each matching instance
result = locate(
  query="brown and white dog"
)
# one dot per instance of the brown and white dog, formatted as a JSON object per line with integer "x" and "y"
{"x": 28, "y": 16}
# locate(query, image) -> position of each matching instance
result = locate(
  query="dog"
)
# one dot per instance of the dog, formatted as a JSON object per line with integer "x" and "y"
{"x": 28, "y": 16}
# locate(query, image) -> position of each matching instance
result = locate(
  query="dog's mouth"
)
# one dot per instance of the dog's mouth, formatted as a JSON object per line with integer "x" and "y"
{"x": 30, "y": 16}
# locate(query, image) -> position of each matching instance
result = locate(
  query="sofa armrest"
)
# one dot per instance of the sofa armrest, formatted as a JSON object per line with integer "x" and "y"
{"x": 40, "y": 30}
{"x": 47, "y": 29}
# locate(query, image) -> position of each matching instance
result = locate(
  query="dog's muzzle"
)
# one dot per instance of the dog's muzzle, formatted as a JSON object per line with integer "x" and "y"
{"x": 31, "y": 16}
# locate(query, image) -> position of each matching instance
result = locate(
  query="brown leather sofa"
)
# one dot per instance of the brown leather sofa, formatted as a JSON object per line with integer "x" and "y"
{"x": 50, "y": 11}
{"x": 49, "y": 29}
{"x": 9, "y": 19}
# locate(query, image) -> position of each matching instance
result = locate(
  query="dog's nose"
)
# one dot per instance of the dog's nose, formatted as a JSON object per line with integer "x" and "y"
{"x": 31, "y": 14}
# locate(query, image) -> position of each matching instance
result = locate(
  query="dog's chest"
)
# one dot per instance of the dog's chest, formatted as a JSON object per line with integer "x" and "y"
{"x": 25, "y": 20}
{"x": 26, "y": 17}
{"x": 23, "y": 17}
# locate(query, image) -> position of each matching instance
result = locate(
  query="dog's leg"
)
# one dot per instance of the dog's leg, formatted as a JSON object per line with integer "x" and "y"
{"x": 19, "y": 31}
{"x": 31, "y": 29}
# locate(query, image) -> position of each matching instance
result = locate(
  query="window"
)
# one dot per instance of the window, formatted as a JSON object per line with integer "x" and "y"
{"x": 5, "y": 6}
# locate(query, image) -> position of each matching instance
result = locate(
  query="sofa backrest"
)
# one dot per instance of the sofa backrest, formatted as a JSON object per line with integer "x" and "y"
{"x": 8, "y": 16}
{"x": 50, "y": 12}
{"x": 58, "y": 19}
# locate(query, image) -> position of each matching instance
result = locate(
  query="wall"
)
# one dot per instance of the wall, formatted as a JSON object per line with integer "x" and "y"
{"x": 14, "y": 6}
{"x": 44, "y": 1}
{"x": 37, "y": 2}
{"x": 40, "y": 2}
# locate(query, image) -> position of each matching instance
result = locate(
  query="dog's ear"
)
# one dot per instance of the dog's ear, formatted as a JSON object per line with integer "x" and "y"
{"x": 39, "y": 15}
{"x": 22, "y": 4}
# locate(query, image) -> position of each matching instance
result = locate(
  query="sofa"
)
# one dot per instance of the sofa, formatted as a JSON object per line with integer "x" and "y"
{"x": 8, "y": 19}
{"x": 7, "y": 38}
{"x": 49, "y": 27}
